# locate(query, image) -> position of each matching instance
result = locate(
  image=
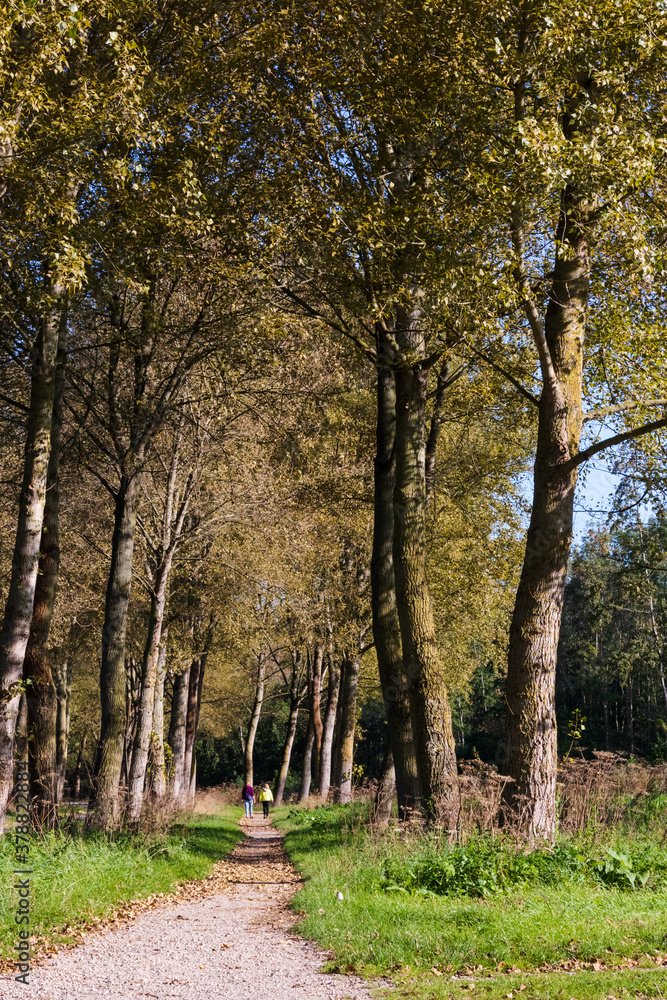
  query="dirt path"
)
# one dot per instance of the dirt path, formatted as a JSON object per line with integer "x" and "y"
{"x": 230, "y": 938}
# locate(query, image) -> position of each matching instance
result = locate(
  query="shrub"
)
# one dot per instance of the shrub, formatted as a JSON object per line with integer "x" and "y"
{"x": 485, "y": 867}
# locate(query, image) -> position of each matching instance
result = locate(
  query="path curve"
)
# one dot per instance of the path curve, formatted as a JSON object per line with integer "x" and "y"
{"x": 231, "y": 940}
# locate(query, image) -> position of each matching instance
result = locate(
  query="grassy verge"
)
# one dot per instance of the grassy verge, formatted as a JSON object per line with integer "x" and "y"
{"x": 532, "y": 939}
{"x": 79, "y": 880}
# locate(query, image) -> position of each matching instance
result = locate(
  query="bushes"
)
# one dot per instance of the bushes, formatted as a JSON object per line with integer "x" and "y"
{"x": 483, "y": 867}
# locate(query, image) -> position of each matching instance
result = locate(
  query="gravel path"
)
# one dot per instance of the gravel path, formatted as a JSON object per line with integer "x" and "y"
{"x": 230, "y": 939}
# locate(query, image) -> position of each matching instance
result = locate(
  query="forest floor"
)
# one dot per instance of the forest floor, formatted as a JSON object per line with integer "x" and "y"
{"x": 228, "y": 937}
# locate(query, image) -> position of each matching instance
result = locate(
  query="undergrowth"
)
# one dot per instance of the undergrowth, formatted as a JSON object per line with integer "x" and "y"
{"x": 423, "y": 911}
{"x": 483, "y": 867}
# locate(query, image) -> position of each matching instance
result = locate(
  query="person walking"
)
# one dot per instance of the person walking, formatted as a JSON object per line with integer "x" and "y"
{"x": 266, "y": 798}
{"x": 248, "y": 796}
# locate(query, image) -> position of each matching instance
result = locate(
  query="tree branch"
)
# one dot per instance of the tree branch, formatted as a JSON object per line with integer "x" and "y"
{"x": 595, "y": 449}
{"x": 510, "y": 378}
{"x": 14, "y": 402}
{"x": 631, "y": 404}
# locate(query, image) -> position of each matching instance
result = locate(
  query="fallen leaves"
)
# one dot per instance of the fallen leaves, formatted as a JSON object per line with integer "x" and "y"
{"x": 257, "y": 862}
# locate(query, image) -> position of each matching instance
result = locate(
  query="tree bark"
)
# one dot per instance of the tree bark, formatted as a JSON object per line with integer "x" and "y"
{"x": 149, "y": 678}
{"x": 254, "y": 719}
{"x": 40, "y": 688}
{"x": 25, "y": 561}
{"x": 159, "y": 775}
{"x": 429, "y": 704}
{"x": 105, "y": 803}
{"x": 350, "y": 673}
{"x": 76, "y": 789}
{"x": 21, "y": 731}
{"x": 63, "y": 686}
{"x": 337, "y": 763}
{"x": 333, "y": 689}
{"x": 194, "y": 705}
{"x": 386, "y": 628}
{"x": 297, "y": 694}
{"x": 307, "y": 766}
{"x": 176, "y": 737}
{"x": 385, "y": 791}
{"x": 316, "y": 696}
{"x": 533, "y": 642}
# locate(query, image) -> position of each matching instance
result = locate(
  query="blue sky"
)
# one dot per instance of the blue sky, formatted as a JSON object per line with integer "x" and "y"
{"x": 593, "y": 500}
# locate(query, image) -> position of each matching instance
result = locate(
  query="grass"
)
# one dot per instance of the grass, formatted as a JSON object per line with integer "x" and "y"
{"x": 80, "y": 879}
{"x": 442, "y": 945}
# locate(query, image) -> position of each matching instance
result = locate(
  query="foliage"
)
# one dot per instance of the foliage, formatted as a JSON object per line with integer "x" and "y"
{"x": 482, "y": 868}
{"x": 611, "y": 654}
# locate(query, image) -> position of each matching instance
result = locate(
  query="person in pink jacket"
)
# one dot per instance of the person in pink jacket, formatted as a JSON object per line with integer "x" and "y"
{"x": 248, "y": 796}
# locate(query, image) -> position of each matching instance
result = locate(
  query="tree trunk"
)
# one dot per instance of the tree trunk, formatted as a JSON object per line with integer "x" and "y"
{"x": 132, "y": 700}
{"x": 76, "y": 785}
{"x": 194, "y": 704}
{"x": 63, "y": 686}
{"x": 159, "y": 776}
{"x": 316, "y": 695}
{"x": 297, "y": 694}
{"x": 21, "y": 731}
{"x": 254, "y": 719}
{"x": 333, "y": 689}
{"x": 25, "y": 561}
{"x": 386, "y": 629}
{"x": 337, "y": 762}
{"x": 429, "y": 705}
{"x": 105, "y": 803}
{"x": 350, "y": 672}
{"x": 385, "y": 791}
{"x": 149, "y": 678}
{"x": 307, "y": 767}
{"x": 176, "y": 737}
{"x": 40, "y": 688}
{"x": 533, "y": 642}
{"x": 629, "y": 715}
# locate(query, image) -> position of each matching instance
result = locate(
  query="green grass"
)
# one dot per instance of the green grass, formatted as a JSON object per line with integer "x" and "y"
{"x": 538, "y": 921}
{"x": 80, "y": 879}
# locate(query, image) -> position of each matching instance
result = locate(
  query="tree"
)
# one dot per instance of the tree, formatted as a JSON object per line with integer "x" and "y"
{"x": 574, "y": 97}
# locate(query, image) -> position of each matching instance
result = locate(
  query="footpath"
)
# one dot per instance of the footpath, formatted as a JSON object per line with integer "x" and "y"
{"x": 228, "y": 937}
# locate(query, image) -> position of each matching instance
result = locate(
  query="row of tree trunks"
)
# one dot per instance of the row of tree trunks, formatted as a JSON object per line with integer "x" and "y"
{"x": 195, "y": 686}
{"x": 162, "y": 553}
{"x": 298, "y": 692}
{"x": 333, "y": 689}
{"x": 327, "y": 764}
{"x": 176, "y": 735}
{"x": 17, "y": 618}
{"x": 307, "y": 765}
{"x": 348, "y": 721}
{"x": 141, "y": 749}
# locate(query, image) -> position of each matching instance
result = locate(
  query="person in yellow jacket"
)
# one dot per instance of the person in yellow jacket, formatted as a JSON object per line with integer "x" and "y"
{"x": 265, "y": 797}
